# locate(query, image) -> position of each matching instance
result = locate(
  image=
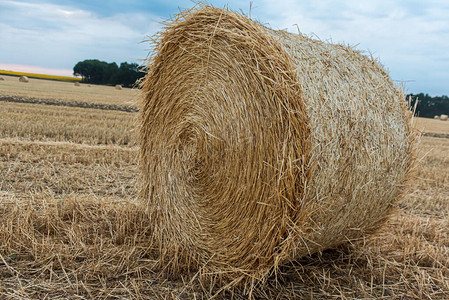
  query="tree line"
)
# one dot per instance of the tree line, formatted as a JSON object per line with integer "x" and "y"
{"x": 100, "y": 72}
{"x": 428, "y": 106}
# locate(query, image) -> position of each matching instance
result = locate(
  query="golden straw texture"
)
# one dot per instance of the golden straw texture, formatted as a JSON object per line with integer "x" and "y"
{"x": 261, "y": 146}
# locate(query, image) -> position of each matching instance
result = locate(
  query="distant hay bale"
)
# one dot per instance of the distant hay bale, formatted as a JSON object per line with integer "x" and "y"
{"x": 118, "y": 87}
{"x": 436, "y": 117}
{"x": 77, "y": 84}
{"x": 444, "y": 117}
{"x": 260, "y": 146}
{"x": 1, "y": 78}
{"x": 23, "y": 79}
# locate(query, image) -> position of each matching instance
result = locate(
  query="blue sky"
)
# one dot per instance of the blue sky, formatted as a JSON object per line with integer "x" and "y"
{"x": 411, "y": 38}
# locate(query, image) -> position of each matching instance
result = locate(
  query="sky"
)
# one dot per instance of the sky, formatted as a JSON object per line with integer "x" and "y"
{"x": 410, "y": 38}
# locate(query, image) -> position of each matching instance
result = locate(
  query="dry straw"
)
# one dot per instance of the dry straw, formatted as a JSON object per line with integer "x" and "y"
{"x": 118, "y": 87}
{"x": 23, "y": 79}
{"x": 436, "y": 117}
{"x": 260, "y": 146}
{"x": 77, "y": 84}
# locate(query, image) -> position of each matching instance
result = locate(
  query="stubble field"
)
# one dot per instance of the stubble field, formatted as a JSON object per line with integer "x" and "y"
{"x": 67, "y": 91}
{"x": 71, "y": 225}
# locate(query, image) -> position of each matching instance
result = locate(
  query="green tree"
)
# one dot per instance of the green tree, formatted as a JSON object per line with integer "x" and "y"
{"x": 128, "y": 74}
{"x": 101, "y": 72}
{"x": 95, "y": 71}
{"x": 428, "y": 106}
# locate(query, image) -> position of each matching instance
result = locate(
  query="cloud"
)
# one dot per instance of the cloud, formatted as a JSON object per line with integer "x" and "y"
{"x": 411, "y": 38}
{"x": 59, "y": 36}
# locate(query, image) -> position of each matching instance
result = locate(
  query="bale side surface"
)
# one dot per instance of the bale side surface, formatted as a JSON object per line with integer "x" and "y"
{"x": 361, "y": 137}
{"x": 259, "y": 146}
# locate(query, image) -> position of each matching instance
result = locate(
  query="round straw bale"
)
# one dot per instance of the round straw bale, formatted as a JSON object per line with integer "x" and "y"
{"x": 260, "y": 146}
{"x": 444, "y": 117}
{"x": 23, "y": 79}
{"x": 1, "y": 78}
{"x": 118, "y": 87}
{"x": 436, "y": 117}
{"x": 77, "y": 84}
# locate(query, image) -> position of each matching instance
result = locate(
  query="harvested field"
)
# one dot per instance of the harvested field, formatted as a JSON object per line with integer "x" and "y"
{"x": 66, "y": 91}
{"x": 71, "y": 228}
{"x": 68, "y": 124}
{"x": 427, "y": 125}
{"x": 66, "y": 167}
{"x": 54, "y": 102}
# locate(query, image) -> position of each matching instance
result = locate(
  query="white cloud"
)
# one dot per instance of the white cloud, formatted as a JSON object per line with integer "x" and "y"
{"x": 59, "y": 36}
{"x": 411, "y": 38}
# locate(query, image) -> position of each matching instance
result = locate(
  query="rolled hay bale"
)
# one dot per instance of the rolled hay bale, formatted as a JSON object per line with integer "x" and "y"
{"x": 23, "y": 79}
{"x": 77, "y": 84}
{"x": 259, "y": 146}
{"x": 1, "y": 78}
{"x": 444, "y": 117}
{"x": 118, "y": 87}
{"x": 436, "y": 117}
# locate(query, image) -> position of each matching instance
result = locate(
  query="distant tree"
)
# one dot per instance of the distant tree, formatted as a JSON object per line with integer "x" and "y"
{"x": 91, "y": 70}
{"x": 101, "y": 72}
{"x": 428, "y": 106}
{"x": 128, "y": 74}
{"x": 83, "y": 69}
{"x": 110, "y": 73}
{"x": 95, "y": 71}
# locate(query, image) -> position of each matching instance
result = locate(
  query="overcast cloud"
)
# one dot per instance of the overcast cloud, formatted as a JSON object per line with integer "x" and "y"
{"x": 411, "y": 38}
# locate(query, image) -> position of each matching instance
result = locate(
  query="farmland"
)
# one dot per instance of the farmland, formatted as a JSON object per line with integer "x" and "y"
{"x": 66, "y": 91}
{"x": 71, "y": 226}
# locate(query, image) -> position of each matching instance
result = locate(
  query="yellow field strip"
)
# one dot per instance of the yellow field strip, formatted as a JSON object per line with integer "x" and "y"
{"x": 41, "y": 76}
